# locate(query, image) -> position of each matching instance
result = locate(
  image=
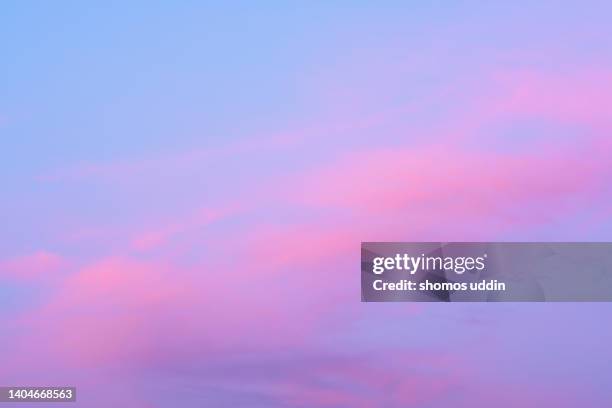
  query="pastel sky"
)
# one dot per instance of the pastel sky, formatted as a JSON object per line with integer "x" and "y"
{"x": 185, "y": 186}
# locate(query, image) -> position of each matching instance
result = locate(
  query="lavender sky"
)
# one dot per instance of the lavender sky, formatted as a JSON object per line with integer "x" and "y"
{"x": 185, "y": 186}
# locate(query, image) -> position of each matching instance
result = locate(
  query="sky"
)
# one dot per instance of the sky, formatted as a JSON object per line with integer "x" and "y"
{"x": 185, "y": 187}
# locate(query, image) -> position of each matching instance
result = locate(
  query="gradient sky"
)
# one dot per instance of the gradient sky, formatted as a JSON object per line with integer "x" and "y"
{"x": 185, "y": 188}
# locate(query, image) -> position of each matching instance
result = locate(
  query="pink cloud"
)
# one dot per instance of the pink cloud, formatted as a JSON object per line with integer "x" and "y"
{"x": 584, "y": 96}
{"x": 40, "y": 265}
{"x": 138, "y": 312}
{"x": 452, "y": 183}
{"x": 162, "y": 234}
